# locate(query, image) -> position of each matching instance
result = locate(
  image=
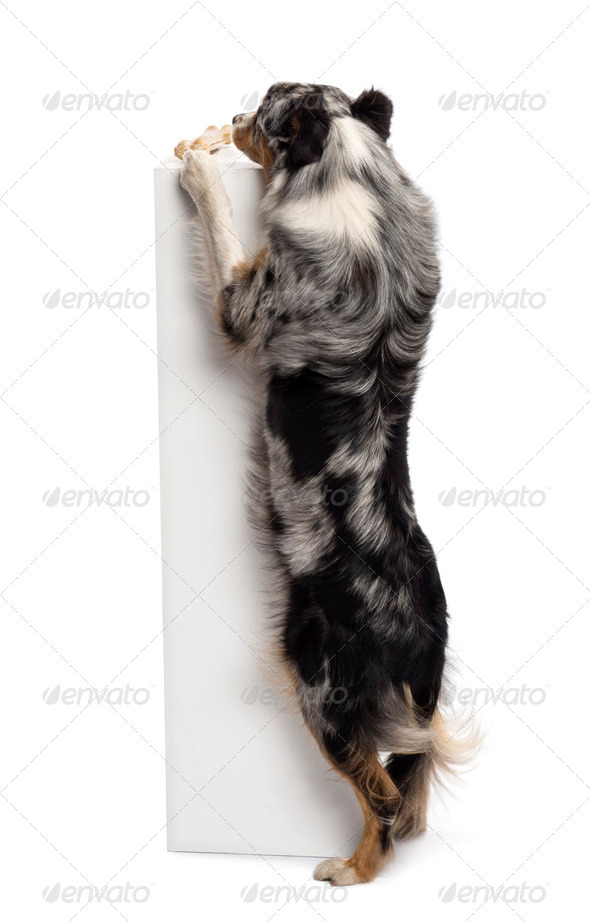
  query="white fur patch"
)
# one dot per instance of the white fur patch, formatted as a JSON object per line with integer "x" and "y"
{"x": 350, "y": 135}
{"x": 346, "y": 211}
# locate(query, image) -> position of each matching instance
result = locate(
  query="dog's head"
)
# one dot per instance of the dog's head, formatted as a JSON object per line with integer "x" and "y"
{"x": 292, "y": 125}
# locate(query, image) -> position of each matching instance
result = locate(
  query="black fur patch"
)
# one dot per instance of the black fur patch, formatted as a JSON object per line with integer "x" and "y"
{"x": 312, "y": 416}
{"x": 308, "y": 126}
{"x": 375, "y": 109}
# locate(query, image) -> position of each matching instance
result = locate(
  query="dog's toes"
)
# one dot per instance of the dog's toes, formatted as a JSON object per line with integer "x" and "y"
{"x": 337, "y": 872}
{"x": 199, "y": 171}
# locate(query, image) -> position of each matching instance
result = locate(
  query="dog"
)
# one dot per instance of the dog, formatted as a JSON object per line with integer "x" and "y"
{"x": 333, "y": 313}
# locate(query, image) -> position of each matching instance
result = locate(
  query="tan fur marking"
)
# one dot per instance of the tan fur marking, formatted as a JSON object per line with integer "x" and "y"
{"x": 245, "y": 269}
{"x": 259, "y": 151}
{"x": 267, "y": 158}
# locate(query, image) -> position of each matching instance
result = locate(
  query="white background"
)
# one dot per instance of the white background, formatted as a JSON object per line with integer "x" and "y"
{"x": 502, "y": 406}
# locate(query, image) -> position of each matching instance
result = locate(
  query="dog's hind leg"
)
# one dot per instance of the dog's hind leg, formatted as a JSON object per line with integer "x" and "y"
{"x": 379, "y": 799}
{"x": 412, "y": 774}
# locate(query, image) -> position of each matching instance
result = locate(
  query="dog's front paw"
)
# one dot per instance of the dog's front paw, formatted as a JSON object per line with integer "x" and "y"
{"x": 199, "y": 172}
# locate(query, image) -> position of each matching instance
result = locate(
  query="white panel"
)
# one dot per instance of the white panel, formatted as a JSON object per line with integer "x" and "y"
{"x": 262, "y": 785}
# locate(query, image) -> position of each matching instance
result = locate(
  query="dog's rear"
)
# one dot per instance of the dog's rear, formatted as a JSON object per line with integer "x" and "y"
{"x": 335, "y": 312}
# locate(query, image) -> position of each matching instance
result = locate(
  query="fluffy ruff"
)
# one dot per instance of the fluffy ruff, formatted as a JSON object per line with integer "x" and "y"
{"x": 333, "y": 314}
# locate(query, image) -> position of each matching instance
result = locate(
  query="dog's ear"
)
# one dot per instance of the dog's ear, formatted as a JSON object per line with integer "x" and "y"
{"x": 308, "y": 130}
{"x": 375, "y": 109}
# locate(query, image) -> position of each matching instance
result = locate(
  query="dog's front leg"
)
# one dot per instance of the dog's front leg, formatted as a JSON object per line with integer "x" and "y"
{"x": 201, "y": 178}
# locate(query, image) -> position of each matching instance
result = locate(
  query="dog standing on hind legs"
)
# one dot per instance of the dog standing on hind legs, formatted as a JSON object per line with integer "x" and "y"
{"x": 333, "y": 315}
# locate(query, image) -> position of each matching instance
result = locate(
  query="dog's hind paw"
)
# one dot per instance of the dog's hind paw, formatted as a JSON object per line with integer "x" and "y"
{"x": 337, "y": 872}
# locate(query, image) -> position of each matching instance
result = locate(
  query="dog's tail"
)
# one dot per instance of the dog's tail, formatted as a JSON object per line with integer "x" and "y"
{"x": 445, "y": 746}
